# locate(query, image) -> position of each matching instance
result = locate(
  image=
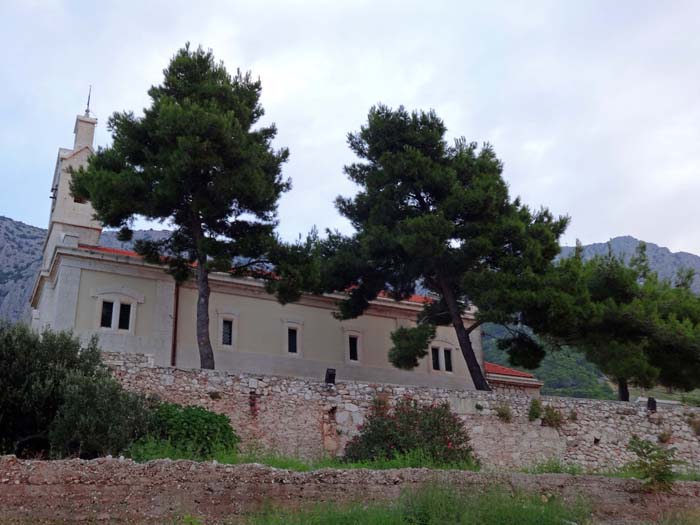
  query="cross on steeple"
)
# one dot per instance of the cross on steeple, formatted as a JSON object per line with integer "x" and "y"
{"x": 87, "y": 109}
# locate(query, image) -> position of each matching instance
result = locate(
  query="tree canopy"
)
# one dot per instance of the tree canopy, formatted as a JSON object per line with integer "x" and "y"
{"x": 439, "y": 216}
{"x": 196, "y": 161}
{"x": 635, "y": 327}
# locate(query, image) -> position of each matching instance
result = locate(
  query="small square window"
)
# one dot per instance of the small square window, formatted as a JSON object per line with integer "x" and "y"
{"x": 353, "y": 345}
{"x": 124, "y": 316}
{"x": 227, "y": 332}
{"x": 435, "y": 354}
{"x": 292, "y": 340}
{"x": 448, "y": 360}
{"x": 106, "y": 317}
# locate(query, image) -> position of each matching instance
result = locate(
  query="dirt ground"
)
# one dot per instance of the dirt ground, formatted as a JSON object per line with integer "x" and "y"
{"x": 121, "y": 491}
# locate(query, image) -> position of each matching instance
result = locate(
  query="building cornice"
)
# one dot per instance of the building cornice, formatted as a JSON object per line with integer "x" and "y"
{"x": 222, "y": 282}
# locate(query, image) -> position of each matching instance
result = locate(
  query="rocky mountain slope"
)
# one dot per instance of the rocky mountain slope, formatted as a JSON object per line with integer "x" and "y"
{"x": 662, "y": 260}
{"x": 21, "y": 247}
{"x": 20, "y": 259}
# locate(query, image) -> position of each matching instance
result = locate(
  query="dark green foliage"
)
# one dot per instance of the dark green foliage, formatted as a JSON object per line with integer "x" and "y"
{"x": 654, "y": 462}
{"x": 523, "y": 350}
{"x": 34, "y": 369}
{"x": 535, "y": 410}
{"x": 434, "y": 430}
{"x": 194, "y": 430}
{"x": 196, "y": 160}
{"x": 565, "y": 372}
{"x": 440, "y": 215}
{"x": 551, "y": 417}
{"x": 97, "y": 417}
{"x": 634, "y": 327}
{"x": 57, "y": 396}
{"x": 410, "y": 345}
{"x": 504, "y": 412}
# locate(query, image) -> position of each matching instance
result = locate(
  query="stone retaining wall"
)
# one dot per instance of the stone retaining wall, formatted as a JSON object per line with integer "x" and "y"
{"x": 308, "y": 418}
{"x": 121, "y": 491}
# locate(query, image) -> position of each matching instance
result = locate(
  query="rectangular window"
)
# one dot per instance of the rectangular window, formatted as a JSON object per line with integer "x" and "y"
{"x": 352, "y": 341}
{"x": 106, "y": 317}
{"x": 227, "y": 332}
{"x": 292, "y": 340}
{"x": 124, "y": 316}
{"x": 435, "y": 353}
{"x": 448, "y": 360}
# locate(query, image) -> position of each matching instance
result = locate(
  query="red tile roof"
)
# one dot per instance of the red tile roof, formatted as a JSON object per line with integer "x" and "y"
{"x": 421, "y": 299}
{"x": 493, "y": 368}
{"x": 104, "y": 249}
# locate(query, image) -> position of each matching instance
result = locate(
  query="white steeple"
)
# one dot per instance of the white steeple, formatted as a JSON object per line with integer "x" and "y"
{"x": 71, "y": 221}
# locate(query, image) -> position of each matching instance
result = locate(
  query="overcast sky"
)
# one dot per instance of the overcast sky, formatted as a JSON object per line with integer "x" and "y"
{"x": 594, "y": 107}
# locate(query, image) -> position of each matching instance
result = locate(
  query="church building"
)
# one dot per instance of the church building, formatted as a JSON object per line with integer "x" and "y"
{"x": 134, "y": 306}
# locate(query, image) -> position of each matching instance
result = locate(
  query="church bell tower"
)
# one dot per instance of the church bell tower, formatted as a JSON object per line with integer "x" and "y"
{"x": 71, "y": 222}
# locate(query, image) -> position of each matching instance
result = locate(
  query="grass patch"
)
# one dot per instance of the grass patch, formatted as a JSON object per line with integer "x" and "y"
{"x": 150, "y": 449}
{"x": 438, "y": 505}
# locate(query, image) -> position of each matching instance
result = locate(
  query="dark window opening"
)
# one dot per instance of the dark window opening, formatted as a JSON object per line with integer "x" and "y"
{"x": 106, "y": 318}
{"x": 227, "y": 333}
{"x": 435, "y": 352}
{"x": 124, "y": 316}
{"x": 448, "y": 360}
{"x": 78, "y": 200}
{"x": 353, "y": 347}
{"x": 292, "y": 340}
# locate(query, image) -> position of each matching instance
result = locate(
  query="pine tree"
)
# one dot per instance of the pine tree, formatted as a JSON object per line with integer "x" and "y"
{"x": 438, "y": 215}
{"x": 196, "y": 161}
{"x": 638, "y": 329}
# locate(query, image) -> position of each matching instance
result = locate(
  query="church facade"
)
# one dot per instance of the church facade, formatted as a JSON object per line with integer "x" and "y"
{"x": 133, "y": 306}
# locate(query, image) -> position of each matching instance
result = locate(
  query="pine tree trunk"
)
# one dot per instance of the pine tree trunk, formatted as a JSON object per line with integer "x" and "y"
{"x": 465, "y": 343}
{"x": 623, "y": 390}
{"x": 206, "y": 354}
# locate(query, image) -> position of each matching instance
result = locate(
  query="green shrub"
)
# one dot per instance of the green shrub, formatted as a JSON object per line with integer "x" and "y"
{"x": 504, "y": 412}
{"x": 33, "y": 372}
{"x": 432, "y": 429}
{"x": 194, "y": 432}
{"x": 535, "y": 411}
{"x": 554, "y": 466}
{"x": 573, "y": 415}
{"x": 551, "y": 417}
{"x": 654, "y": 463}
{"x": 98, "y": 417}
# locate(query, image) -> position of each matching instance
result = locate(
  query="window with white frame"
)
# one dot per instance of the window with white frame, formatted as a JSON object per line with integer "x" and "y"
{"x": 292, "y": 337}
{"x": 441, "y": 358}
{"x": 117, "y": 315}
{"x": 116, "y": 308}
{"x": 353, "y": 345}
{"x": 227, "y": 328}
